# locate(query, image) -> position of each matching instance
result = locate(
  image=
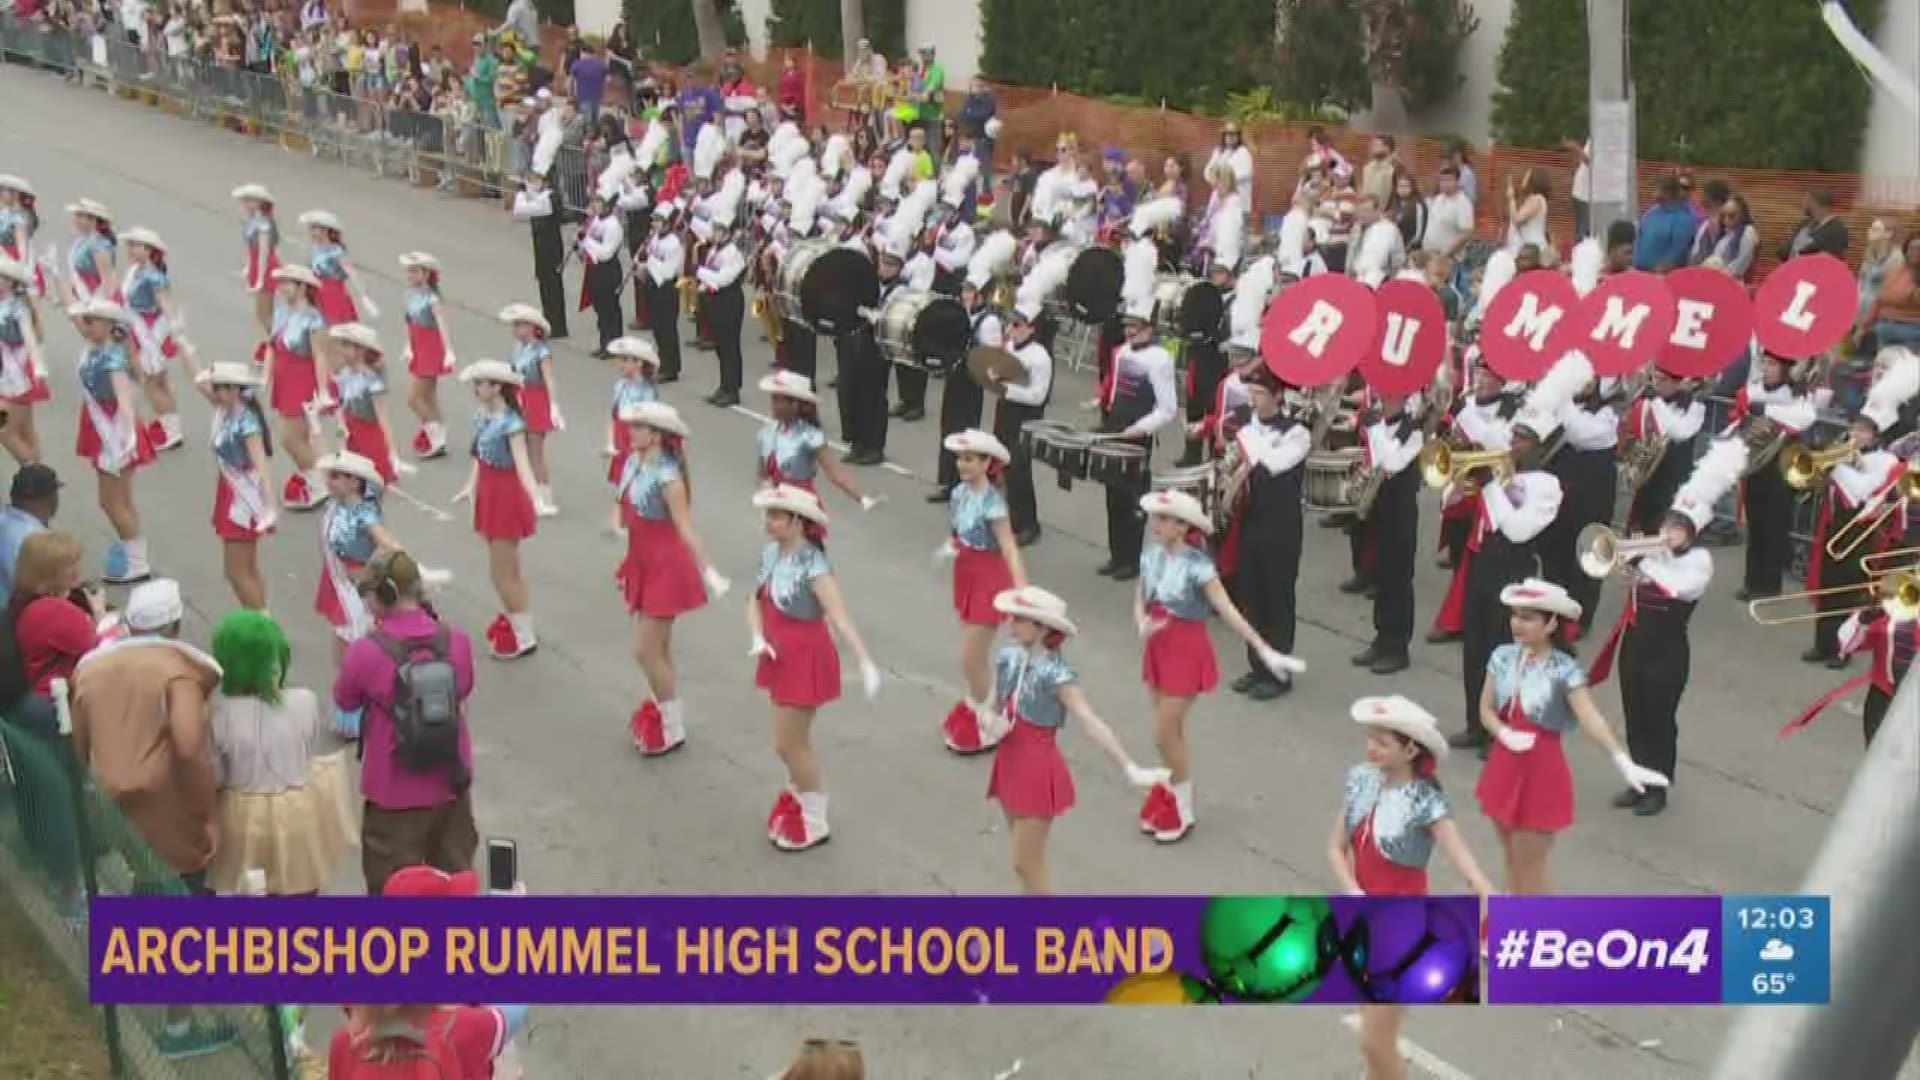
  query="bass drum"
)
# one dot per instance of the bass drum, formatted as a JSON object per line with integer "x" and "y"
{"x": 1092, "y": 291}
{"x": 830, "y": 285}
{"x": 792, "y": 270}
{"x": 924, "y": 330}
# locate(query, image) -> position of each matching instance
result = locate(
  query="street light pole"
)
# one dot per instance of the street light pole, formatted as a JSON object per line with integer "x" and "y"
{"x": 1610, "y": 123}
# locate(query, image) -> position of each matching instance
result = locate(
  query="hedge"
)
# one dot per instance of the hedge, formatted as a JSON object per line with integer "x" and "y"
{"x": 799, "y": 23}
{"x": 1190, "y": 55}
{"x": 1752, "y": 83}
{"x": 663, "y": 29}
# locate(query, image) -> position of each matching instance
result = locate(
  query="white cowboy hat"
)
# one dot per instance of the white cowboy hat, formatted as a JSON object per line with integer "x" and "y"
{"x": 1035, "y": 605}
{"x": 421, "y": 260}
{"x": 493, "y": 371}
{"x": 297, "y": 273}
{"x": 657, "y": 415}
{"x": 14, "y": 271}
{"x": 790, "y": 384}
{"x": 1180, "y": 506}
{"x": 975, "y": 441}
{"x": 321, "y": 219}
{"x": 99, "y": 309}
{"x": 793, "y": 500}
{"x": 92, "y": 208}
{"x": 348, "y": 463}
{"x": 354, "y": 333}
{"x": 145, "y": 238}
{"x": 525, "y": 313}
{"x": 16, "y": 183}
{"x": 1402, "y": 716}
{"x": 228, "y": 373}
{"x": 253, "y": 192}
{"x": 1534, "y": 594}
{"x": 632, "y": 348}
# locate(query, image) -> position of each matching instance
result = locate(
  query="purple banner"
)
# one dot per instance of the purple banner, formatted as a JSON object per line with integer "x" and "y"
{"x": 1603, "y": 950}
{"x": 731, "y": 950}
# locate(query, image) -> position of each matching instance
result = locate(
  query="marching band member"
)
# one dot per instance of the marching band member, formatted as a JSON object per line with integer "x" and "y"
{"x": 954, "y": 242}
{"x": 534, "y": 204}
{"x": 261, "y": 234}
{"x": 501, "y": 487}
{"x": 1392, "y": 816}
{"x": 1671, "y": 410}
{"x": 90, "y": 258}
{"x": 724, "y": 300}
{"x": 798, "y": 349}
{"x": 917, "y": 272}
{"x": 1179, "y": 588}
{"x": 986, "y": 563}
{"x": 1261, "y": 551}
{"x": 243, "y": 504}
{"x": 1392, "y": 445}
{"x": 639, "y": 363}
{"x": 1774, "y": 393}
{"x": 863, "y": 369}
{"x": 1207, "y": 358}
{"x": 666, "y": 258}
{"x": 293, "y": 379}
{"x": 1035, "y": 690}
{"x": 1589, "y": 479}
{"x": 1857, "y": 488}
{"x": 539, "y": 396}
{"x": 1651, "y": 636}
{"x": 962, "y": 400}
{"x": 666, "y": 573}
{"x": 429, "y": 351}
{"x": 1534, "y": 694}
{"x": 339, "y": 281}
{"x": 1139, "y": 399}
{"x": 600, "y": 242}
{"x": 1017, "y": 407}
{"x": 111, "y": 437}
{"x": 23, "y": 368}
{"x": 1227, "y": 405}
{"x": 796, "y": 599}
{"x": 1890, "y": 640}
{"x": 147, "y": 288}
{"x": 360, "y": 383}
{"x": 792, "y": 448}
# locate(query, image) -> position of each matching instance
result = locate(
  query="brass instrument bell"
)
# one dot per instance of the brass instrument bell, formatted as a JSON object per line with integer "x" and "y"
{"x": 1861, "y": 527}
{"x": 1897, "y": 593}
{"x": 1603, "y": 551}
{"x": 1807, "y": 469}
{"x": 689, "y": 295}
{"x": 1442, "y": 465}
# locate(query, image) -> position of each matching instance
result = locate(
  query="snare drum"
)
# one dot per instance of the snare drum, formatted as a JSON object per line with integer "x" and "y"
{"x": 1326, "y": 479}
{"x": 1116, "y": 463}
{"x": 1058, "y": 445}
{"x": 1200, "y": 481}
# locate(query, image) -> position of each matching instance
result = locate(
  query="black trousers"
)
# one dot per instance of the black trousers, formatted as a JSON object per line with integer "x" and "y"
{"x": 637, "y": 235}
{"x": 603, "y": 286}
{"x": 1206, "y": 366}
{"x": 1873, "y": 712}
{"x": 663, "y": 318}
{"x": 548, "y": 257}
{"x": 910, "y": 383}
{"x": 1023, "y": 511}
{"x": 1655, "y": 497}
{"x": 800, "y": 349}
{"x": 1485, "y": 620}
{"x": 1769, "y": 509}
{"x": 1654, "y": 662}
{"x": 962, "y": 403}
{"x": 1395, "y": 528}
{"x": 1265, "y": 580}
{"x": 1126, "y": 524}
{"x": 1837, "y": 574}
{"x": 863, "y": 390}
{"x": 1588, "y": 481}
{"x": 1359, "y": 539}
{"x": 1454, "y": 534}
{"x": 726, "y": 310}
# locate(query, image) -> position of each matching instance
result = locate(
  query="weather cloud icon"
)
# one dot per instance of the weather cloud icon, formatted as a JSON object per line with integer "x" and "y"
{"x": 1776, "y": 951}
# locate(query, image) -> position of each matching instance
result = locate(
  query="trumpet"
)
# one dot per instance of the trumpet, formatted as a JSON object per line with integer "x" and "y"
{"x": 1872, "y": 514}
{"x": 1602, "y": 551}
{"x": 1897, "y": 593}
{"x": 1880, "y": 562}
{"x": 1806, "y": 469}
{"x": 689, "y": 294}
{"x": 1441, "y": 464}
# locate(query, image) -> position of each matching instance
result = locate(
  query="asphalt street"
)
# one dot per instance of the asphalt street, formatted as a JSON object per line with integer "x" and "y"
{"x": 557, "y": 773}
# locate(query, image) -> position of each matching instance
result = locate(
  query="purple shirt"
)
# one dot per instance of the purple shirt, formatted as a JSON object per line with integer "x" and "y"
{"x": 366, "y": 682}
{"x": 589, "y": 81}
{"x": 697, "y": 106}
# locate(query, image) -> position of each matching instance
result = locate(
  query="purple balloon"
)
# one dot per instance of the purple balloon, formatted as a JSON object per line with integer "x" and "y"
{"x": 1418, "y": 951}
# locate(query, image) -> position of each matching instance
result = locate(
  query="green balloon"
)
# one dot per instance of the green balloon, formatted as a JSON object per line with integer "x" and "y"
{"x": 1265, "y": 948}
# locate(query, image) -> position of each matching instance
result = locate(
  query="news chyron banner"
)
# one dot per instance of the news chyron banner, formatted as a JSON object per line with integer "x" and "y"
{"x": 738, "y": 950}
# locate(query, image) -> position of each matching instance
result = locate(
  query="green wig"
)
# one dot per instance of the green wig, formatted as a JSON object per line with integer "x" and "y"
{"x": 253, "y": 655}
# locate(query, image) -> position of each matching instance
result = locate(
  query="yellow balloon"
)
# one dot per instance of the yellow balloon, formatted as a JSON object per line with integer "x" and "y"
{"x": 1165, "y": 988}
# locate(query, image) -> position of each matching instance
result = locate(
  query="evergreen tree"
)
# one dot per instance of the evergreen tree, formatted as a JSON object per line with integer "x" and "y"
{"x": 1321, "y": 57}
{"x": 663, "y": 29}
{"x": 796, "y": 23}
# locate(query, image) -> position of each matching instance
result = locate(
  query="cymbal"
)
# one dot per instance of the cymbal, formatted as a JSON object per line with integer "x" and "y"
{"x": 993, "y": 368}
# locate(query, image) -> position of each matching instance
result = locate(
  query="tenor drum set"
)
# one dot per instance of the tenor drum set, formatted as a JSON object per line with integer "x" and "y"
{"x": 824, "y": 285}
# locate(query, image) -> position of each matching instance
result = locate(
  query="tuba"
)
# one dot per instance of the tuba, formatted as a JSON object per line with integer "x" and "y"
{"x": 1807, "y": 469}
{"x": 1639, "y": 458}
{"x": 1765, "y": 439}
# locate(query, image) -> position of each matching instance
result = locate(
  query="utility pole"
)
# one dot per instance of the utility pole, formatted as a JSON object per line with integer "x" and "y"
{"x": 1610, "y": 121}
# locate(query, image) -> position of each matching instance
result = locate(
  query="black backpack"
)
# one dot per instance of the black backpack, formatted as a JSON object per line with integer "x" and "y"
{"x": 426, "y": 703}
{"x": 14, "y": 683}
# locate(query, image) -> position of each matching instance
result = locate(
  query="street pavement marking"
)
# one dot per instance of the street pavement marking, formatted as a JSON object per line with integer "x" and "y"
{"x": 1417, "y": 1056}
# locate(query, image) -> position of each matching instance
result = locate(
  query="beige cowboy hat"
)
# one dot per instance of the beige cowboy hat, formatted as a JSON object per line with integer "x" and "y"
{"x": 419, "y": 260}
{"x": 657, "y": 415}
{"x": 493, "y": 371}
{"x": 632, "y": 348}
{"x": 297, "y": 273}
{"x": 1534, "y": 594}
{"x": 1035, "y": 605}
{"x": 98, "y": 309}
{"x": 93, "y": 208}
{"x": 525, "y": 313}
{"x": 145, "y": 238}
{"x": 16, "y": 183}
{"x": 252, "y": 193}
{"x": 975, "y": 441}
{"x": 1402, "y": 716}
{"x": 793, "y": 500}
{"x": 321, "y": 219}
{"x": 790, "y": 384}
{"x": 1180, "y": 506}
{"x": 354, "y": 333}
{"x": 228, "y": 373}
{"x": 348, "y": 463}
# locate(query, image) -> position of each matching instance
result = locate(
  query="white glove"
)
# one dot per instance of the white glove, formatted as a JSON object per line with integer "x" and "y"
{"x": 868, "y": 502}
{"x": 559, "y": 422}
{"x": 945, "y": 553}
{"x": 373, "y": 309}
{"x": 268, "y": 520}
{"x": 447, "y": 363}
{"x": 1520, "y": 741}
{"x": 870, "y": 678}
{"x": 1149, "y": 626}
{"x": 1146, "y": 778}
{"x": 761, "y": 647}
{"x": 1638, "y": 777}
{"x": 463, "y": 495}
{"x": 405, "y": 468}
{"x": 608, "y": 451}
{"x": 717, "y": 585}
{"x": 872, "y": 315}
{"x": 1280, "y": 663}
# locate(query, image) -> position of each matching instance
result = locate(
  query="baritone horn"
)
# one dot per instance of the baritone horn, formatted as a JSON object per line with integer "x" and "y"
{"x": 689, "y": 295}
{"x": 1602, "y": 551}
{"x": 1441, "y": 464}
{"x": 768, "y": 312}
{"x": 1896, "y": 593}
{"x": 1806, "y": 469}
{"x": 1872, "y": 514}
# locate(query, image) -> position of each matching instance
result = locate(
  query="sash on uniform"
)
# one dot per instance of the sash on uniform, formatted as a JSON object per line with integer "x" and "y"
{"x": 118, "y": 439}
{"x": 345, "y": 590}
{"x": 18, "y": 371}
{"x": 248, "y": 509}
{"x": 153, "y": 338}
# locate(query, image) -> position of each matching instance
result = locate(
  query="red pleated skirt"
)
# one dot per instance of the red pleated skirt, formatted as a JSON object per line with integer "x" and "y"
{"x": 536, "y": 404}
{"x": 296, "y": 381}
{"x": 1179, "y": 660}
{"x": 326, "y": 601}
{"x": 223, "y": 525}
{"x": 502, "y": 509}
{"x": 429, "y": 351}
{"x": 1379, "y": 875}
{"x": 336, "y": 304}
{"x": 659, "y": 577}
{"x": 978, "y": 577}
{"x": 1030, "y": 776}
{"x": 804, "y": 672}
{"x": 258, "y": 273}
{"x": 1531, "y": 791}
{"x": 364, "y": 437}
{"x": 88, "y": 444}
{"x": 15, "y": 358}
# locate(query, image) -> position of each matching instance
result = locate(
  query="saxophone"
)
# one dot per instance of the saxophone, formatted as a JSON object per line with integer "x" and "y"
{"x": 689, "y": 294}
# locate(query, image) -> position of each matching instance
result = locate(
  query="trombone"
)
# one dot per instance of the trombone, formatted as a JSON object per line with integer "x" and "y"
{"x": 1896, "y": 592}
{"x": 1872, "y": 514}
{"x": 1806, "y": 469}
{"x": 1881, "y": 562}
{"x": 1441, "y": 464}
{"x": 1603, "y": 551}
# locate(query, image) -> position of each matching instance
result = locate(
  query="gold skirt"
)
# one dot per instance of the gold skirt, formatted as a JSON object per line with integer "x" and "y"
{"x": 299, "y": 837}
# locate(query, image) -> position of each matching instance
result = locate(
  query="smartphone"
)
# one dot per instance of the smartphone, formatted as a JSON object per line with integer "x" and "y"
{"x": 503, "y": 865}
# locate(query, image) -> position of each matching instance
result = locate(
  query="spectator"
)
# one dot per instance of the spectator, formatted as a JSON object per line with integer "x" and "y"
{"x": 1710, "y": 227}
{"x": 933, "y": 96}
{"x": 1234, "y": 155}
{"x": 1739, "y": 242}
{"x": 792, "y": 89}
{"x": 922, "y": 160}
{"x": 1020, "y": 182}
{"x": 1895, "y": 317}
{"x": 285, "y": 796}
{"x": 1619, "y": 248}
{"x": 1442, "y": 272}
{"x": 314, "y": 15}
{"x": 481, "y": 78}
{"x": 1878, "y": 257}
{"x": 523, "y": 21}
{"x": 1322, "y": 159}
{"x": 1666, "y": 232}
{"x": 1582, "y": 187}
{"x": 1449, "y": 217}
{"x": 820, "y": 1059}
{"x": 620, "y": 51}
{"x": 1408, "y": 211}
{"x": 54, "y": 618}
{"x": 1527, "y": 212}
{"x": 1461, "y": 158}
{"x": 411, "y": 815}
{"x": 589, "y": 77}
{"x": 1379, "y": 253}
{"x": 1376, "y": 176}
{"x": 1821, "y": 230}
{"x": 31, "y": 503}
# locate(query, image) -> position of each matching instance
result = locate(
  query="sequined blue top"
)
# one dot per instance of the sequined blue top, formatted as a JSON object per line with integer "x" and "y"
{"x": 420, "y": 302}
{"x": 792, "y": 450}
{"x": 643, "y": 484}
{"x": 294, "y": 327}
{"x": 787, "y": 579}
{"x": 527, "y": 362}
{"x": 1177, "y": 580}
{"x": 971, "y": 514}
{"x": 143, "y": 289}
{"x": 630, "y": 392}
{"x": 11, "y": 219}
{"x": 1542, "y": 685}
{"x": 330, "y": 262}
{"x": 493, "y": 437}
{"x": 257, "y": 225}
{"x": 230, "y": 438}
{"x": 97, "y": 368}
{"x": 1403, "y": 814}
{"x": 357, "y": 387}
{"x": 80, "y": 256}
{"x": 1027, "y": 684}
{"x": 13, "y": 316}
{"x": 350, "y": 531}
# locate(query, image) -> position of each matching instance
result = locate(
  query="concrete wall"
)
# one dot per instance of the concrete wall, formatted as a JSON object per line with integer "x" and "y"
{"x": 596, "y": 16}
{"x": 953, "y": 28}
{"x": 1893, "y": 134}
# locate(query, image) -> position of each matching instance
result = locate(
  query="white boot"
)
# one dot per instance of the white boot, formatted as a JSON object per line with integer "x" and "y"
{"x": 543, "y": 502}
{"x": 1183, "y": 800}
{"x": 673, "y": 721}
{"x": 524, "y": 640}
{"x": 812, "y": 828}
{"x": 129, "y": 563}
{"x": 171, "y": 435}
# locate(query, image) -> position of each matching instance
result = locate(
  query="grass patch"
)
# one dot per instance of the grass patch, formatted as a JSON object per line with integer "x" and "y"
{"x": 44, "y": 1033}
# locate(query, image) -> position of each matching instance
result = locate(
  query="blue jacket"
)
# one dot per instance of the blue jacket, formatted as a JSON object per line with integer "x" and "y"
{"x": 1666, "y": 236}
